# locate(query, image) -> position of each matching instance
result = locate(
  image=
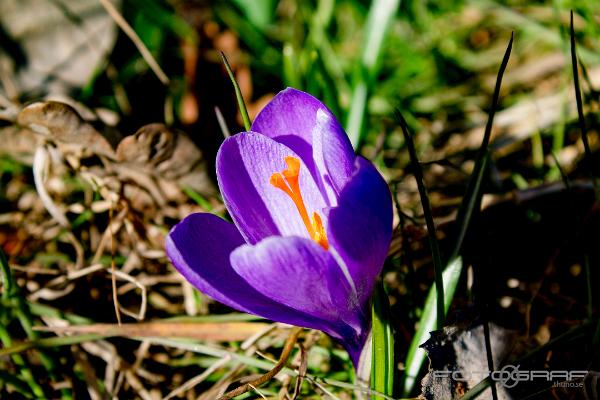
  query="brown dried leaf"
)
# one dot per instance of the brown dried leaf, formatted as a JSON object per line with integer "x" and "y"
{"x": 19, "y": 143}
{"x": 213, "y": 331}
{"x": 461, "y": 350}
{"x": 166, "y": 153}
{"x": 60, "y": 122}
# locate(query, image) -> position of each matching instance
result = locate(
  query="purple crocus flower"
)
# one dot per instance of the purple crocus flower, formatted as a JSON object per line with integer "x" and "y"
{"x": 313, "y": 223}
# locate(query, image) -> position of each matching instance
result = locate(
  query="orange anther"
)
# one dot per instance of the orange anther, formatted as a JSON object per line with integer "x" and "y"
{"x": 293, "y": 168}
{"x": 320, "y": 236}
{"x": 315, "y": 228}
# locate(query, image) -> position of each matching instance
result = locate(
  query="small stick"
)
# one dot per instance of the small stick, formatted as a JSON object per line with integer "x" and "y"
{"x": 128, "y": 30}
{"x": 222, "y": 123}
{"x": 113, "y": 267}
{"x": 285, "y": 354}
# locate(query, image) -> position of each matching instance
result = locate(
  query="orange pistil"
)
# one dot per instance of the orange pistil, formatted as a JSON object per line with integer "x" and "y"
{"x": 315, "y": 227}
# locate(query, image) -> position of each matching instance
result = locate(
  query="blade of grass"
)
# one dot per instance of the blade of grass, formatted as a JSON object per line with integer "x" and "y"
{"x": 330, "y": 92}
{"x": 259, "y": 13}
{"x": 264, "y": 53}
{"x": 11, "y": 349}
{"x": 416, "y": 355}
{"x": 379, "y": 20}
{"x": 470, "y": 203}
{"x": 473, "y": 193}
{"x": 20, "y": 363}
{"x": 580, "y": 116}
{"x": 198, "y": 198}
{"x": 290, "y": 67}
{"x": 407, "y": 250}
{"x": 5, "y": 274}
{"x": 588, "y": 153}
{"x": 16, "y": 383}
{"x": 476, "y": 390}
{"x": 42, "y": 310}
{"x": 25, "y": 318}
{"x": 433, "y": 243}
{"x": 488, "y": 351}
{"x": 238, "y": 93}
{"x": 382, "y": 365}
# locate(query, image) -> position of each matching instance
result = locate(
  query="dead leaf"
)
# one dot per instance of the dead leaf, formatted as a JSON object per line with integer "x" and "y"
{"x": 60, "y": 122}
{"x": 462, "y": 351}
{"x": 210, "y": 331}
{"x": 167, "y": 153}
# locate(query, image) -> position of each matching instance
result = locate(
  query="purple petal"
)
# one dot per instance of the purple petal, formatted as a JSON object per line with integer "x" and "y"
{"x": 360, "y": 228}
{"x": 245, "y": 163}
{"x": 300, "y": 274}
{"x": 200, "y": 247}
{"x": 307, "y": 126}
{"x": 333, "y": 154}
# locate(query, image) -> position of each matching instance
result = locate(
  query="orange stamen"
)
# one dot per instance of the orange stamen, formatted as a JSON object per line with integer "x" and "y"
{"x": 287, "y": 181}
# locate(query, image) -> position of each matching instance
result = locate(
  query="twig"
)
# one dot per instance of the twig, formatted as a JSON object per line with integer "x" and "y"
{"x": 287, "y": 350}
{"x": 113, "y": 267}
{"x": 122, "y": 275}
{"x": 301, "y": 371}
{"x": 128, "y": 30}
{"x": 222, "y": 123}
{"x": 198, "y": 379}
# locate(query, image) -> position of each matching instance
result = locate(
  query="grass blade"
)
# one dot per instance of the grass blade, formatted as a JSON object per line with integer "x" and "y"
{"x": 20, "y": 363}
{"x": 379, "y": 20}
{"x": 238, "y": 93}
{"x": 7, "y": 279}
{"x": 259, "y": 13}
{"x": 433, "y": 243}
{"x": 290, "y": 67}
{"x": 382, "y": 365}
{"x": 470, "y": 203}
{"x": 17, "y": 383}
{"x": 416, "y": 355}
{"x": 48, "y": 343}
{"x": 580, "y": 116}
{"x": 472, "y": 196}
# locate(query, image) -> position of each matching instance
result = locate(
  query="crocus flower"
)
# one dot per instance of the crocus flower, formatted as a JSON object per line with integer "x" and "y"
{"x": 312, "y": 224}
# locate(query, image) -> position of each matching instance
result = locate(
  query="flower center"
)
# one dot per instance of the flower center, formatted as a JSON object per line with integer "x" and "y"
{"x": 287, "y": 181}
